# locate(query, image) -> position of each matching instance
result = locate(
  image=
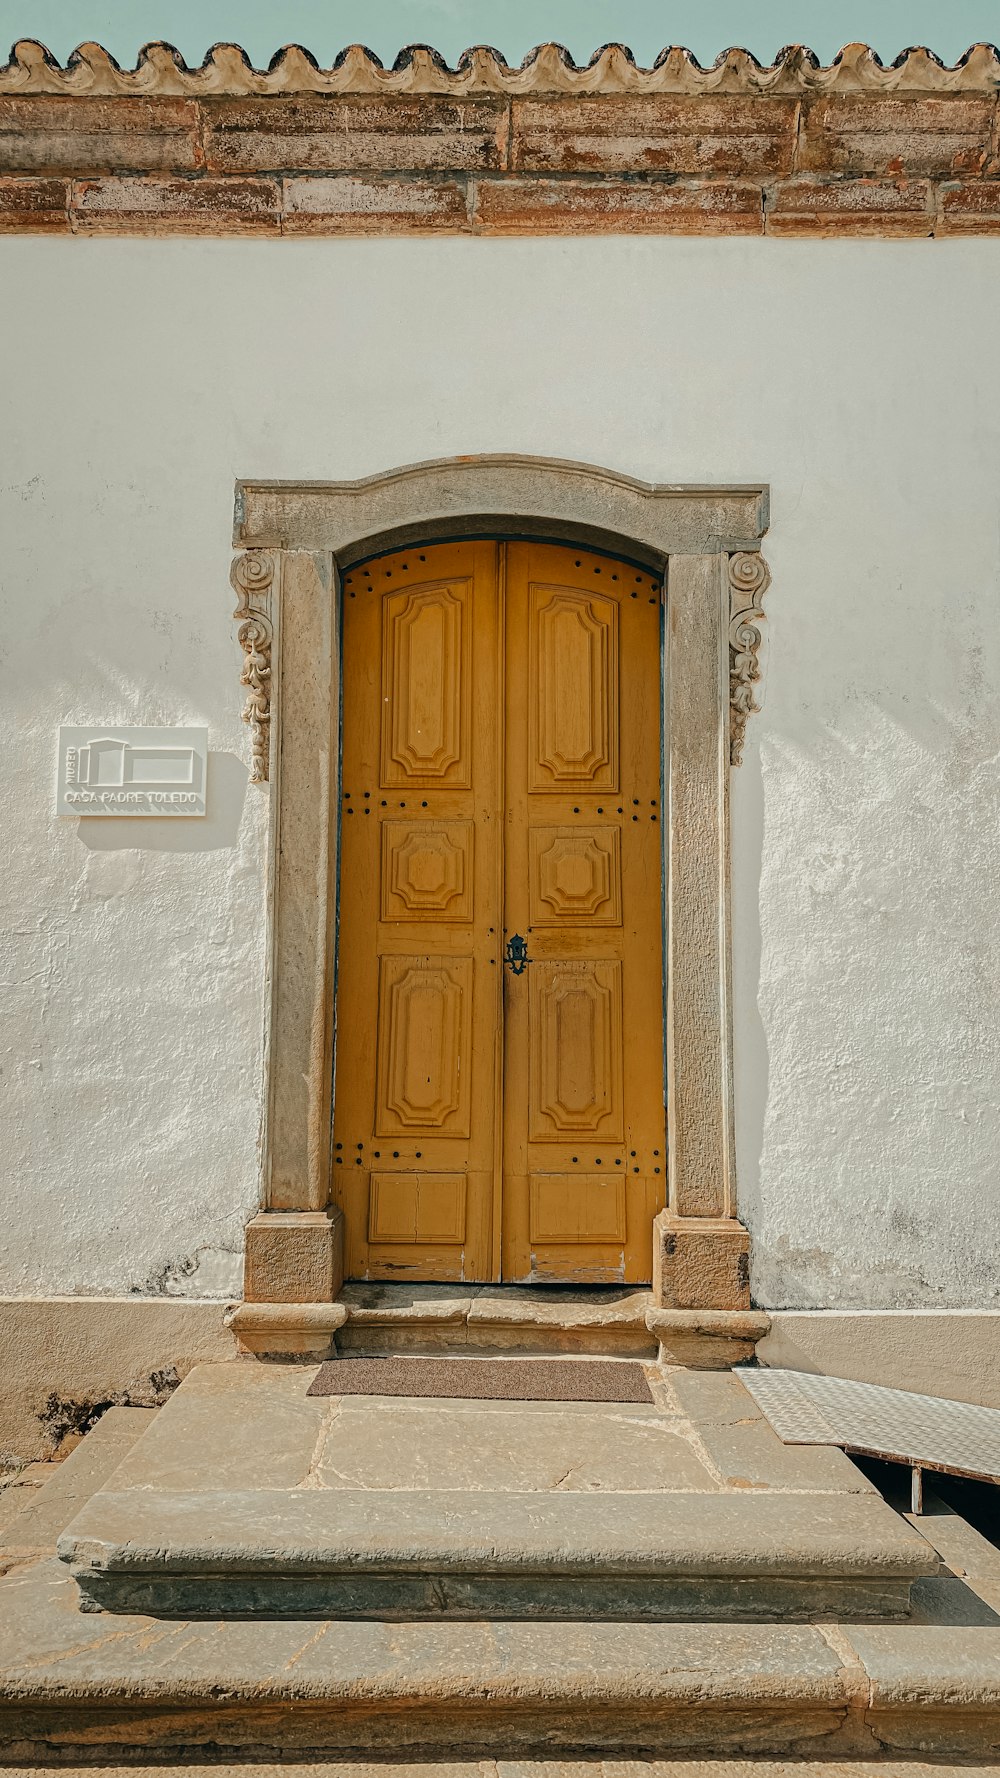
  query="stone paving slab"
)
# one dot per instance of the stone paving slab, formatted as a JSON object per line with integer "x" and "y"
{"x": 251, "y": 1377}
{"x": 650, "y": 1767}
{"x": 381, "y": 1304}
{"x": 929, "y": 1663}
{"x": 965, "y": 1549}
{"x": 947, "y": 1680}
{"x": 373, "y": 1305}
{"x": 40, "y": 1627}
{"x": 246, "y": 1434}
{"x": 18, "y": 1487}
{"x": 747, "y": 1454}
{"x": 69, "y": 1484}
{"x": 250, "y": 1425}
{"x": 499, "y": 1305}
{"x": 402, "y": 1445}
{"x": 239, "y": 1438}
{"x": 713, "y": 1398}
{"x": 660, "y": 1409}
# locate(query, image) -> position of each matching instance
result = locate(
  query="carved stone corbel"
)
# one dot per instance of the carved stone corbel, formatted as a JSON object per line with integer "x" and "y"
{"x": 749, "y": 579}
{"x": 252, "y": 575}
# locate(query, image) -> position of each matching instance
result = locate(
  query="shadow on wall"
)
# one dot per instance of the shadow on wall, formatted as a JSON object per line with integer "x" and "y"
{"x": 751, "y": 1056}
{"x": 215, "y": 831}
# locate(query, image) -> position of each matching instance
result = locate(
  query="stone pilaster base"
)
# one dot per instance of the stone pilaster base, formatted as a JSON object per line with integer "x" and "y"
{"x": 294, "y": 1256}
{"x": 700, "y": 1262}
{"x": 287, "y": 1330}
{"x": 707, "y": 1339}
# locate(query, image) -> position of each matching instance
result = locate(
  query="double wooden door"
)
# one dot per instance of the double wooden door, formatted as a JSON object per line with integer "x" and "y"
{"x": 498, "y": 1104}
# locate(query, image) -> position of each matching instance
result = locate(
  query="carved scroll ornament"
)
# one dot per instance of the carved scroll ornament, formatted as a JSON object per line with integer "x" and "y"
{"x": 749, "y": 578}
{"x": 252, "y": 575}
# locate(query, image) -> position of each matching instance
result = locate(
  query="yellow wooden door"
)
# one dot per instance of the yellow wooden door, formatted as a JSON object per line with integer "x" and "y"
{"x": 499, "y": 1061}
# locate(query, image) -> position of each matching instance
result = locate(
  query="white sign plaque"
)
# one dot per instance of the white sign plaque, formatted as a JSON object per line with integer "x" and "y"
{"x": 132, "y": 771}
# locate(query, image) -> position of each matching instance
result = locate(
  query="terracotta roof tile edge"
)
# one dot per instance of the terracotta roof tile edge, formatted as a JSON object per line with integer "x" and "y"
{"x": 227, "y": 72}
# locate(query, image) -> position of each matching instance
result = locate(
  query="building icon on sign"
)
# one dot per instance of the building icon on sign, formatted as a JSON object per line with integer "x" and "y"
{"x": 109, "y": 763}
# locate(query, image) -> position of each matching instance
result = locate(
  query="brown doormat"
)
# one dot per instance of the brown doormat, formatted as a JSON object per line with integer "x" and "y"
{"x": 485, "y": 1379}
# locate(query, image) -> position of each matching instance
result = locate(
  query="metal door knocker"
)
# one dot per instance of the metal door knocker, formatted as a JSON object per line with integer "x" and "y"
{"x": 516, "y": 954}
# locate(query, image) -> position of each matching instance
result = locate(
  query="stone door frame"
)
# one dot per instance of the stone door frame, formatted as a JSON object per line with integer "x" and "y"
{"x": 297, "y": 539}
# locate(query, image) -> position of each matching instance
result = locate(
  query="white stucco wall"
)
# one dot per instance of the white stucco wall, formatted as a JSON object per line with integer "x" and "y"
{"x": 859, "y": 378}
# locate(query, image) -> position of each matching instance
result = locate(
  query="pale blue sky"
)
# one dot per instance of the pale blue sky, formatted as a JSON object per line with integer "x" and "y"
{"x": 513, "y": 26}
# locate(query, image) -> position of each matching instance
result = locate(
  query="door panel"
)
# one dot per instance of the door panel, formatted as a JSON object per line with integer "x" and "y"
{"x": 424, "y": 1036}
{"x": 427, "y": 870}
{"x": 416, "y": 1138}
{"x": 569, "y": 1209}
{"x": 576, "y": 874}
{"x": 584, "y": 1127}
{"x": 573, "y": 674}
{"x": 427, "y": 681}
{"x": 412, "y": 1207}
{"x": 501, "y": 775}
{"x": 575, "y": 1045}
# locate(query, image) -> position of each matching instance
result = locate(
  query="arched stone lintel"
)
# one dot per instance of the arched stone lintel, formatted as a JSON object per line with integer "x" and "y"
{"x": 540, "y": 496}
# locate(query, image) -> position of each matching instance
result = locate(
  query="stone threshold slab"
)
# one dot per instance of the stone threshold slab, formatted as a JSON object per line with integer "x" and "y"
{"x": 73, "y": 1686}
{"x": 495, "y": 1319}
{"x": 491, "y": 1303}
{"x": 430, "y": 1553}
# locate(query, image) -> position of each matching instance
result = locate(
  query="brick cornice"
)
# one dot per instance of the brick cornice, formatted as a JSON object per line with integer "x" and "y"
{"x": 547, "y": 148}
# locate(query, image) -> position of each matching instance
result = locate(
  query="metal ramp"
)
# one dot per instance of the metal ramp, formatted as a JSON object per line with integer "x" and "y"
{"x": 927, "y": 1432}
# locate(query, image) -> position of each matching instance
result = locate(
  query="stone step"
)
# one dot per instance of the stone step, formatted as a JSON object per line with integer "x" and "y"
{"x": 249, "y": 1496}
{"x": 79, "y": 1691}
{"x": 363, "y": 1763}
{"x": 359, "y": 1553}
{"x": 73, "y": 1689}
